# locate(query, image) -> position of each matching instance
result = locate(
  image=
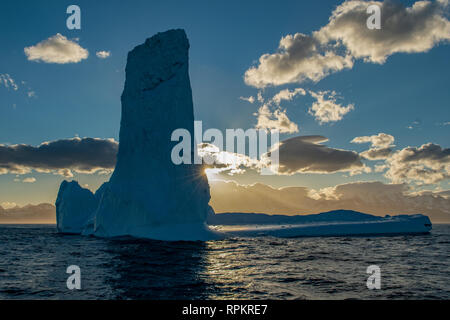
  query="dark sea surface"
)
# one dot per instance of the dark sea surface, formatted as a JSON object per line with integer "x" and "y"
{"x": 33, "y": 262}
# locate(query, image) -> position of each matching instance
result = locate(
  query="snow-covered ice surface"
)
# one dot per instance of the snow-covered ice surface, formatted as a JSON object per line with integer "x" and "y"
{"x": 148, "y": 196}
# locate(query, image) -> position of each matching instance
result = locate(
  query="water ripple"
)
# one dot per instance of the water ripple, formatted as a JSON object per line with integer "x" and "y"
{"x": 34, "y": 260}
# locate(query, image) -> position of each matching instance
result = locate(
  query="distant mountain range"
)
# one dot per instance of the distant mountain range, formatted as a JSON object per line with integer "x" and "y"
{"x": 235, "y": 218}
{"x": 43, "y": 213}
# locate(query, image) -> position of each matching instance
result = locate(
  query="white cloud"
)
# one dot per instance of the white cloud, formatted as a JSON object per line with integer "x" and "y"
{"x": 326, "y": 109}
{"x": 8, "y": 82}
{"x": 260, "y": 97}
{"x": 414, "y": 125}
{"x": 226, "y": 162}
{"x": 403, "y": 29}
{"x": 287, "y": 95}
{"x": 345, "y": 38}
{"x": 427, "y": 164}
{"x": 299, "y": 58}
{"x": 381, "y": 145}
{"x": 250, "y": 99}
{"x": 29, "y": 180}
{"x": 67, "y": 173}
{"x": 276, "y": 120}
{"x": 380, "y": 167}
{"x": 381, "y": 140}
{"x": 103, "y": 54}
{"x": 56, "y": 49}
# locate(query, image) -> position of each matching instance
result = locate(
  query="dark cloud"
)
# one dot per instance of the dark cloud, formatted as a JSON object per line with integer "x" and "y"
{"x": 427, "y": 152}
{"x": 307, "y": 154}
{"x": 86, "y": 155}
{"x": 377, "y": 153}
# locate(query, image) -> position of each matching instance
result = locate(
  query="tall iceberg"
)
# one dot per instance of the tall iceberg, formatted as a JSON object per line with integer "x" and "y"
{"x": 148, "y": 195}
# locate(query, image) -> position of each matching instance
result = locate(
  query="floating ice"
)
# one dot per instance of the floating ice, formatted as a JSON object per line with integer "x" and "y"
{"x": 148, "y": 196}
{"x": 333, "y": 223}
{"x": 74, "y": 206}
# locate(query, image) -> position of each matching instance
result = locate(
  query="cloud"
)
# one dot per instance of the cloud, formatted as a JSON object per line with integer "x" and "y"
{"x": 376, "y": 153}
{"x": 8, "y": 82}
{"x": 31, "y": 94}
{"x": 276, "y": 120}
{"x": 381, "y": 146}
{"x": 287, "y": 95}
{"x": 231, "y": 163}
{"x": 326, "y": 109}
{"x": 403, "y": 29}
{"x": 335, "y": 46}
{"x": 56, "y": 49}
{"x": 66, "y": 173}
{"x": 8, "y": 205}
{"x": 299, "y": 58}
{"x": 302, "y": 154}
{"x": 380, "y": 167}
{"x": 259, "y": 97}
{"x": 103, "y": 54}
{"x": 427, "y": 164}
{"x": 414, "y": 125}
{"x": 370, "y": 197}
{"x": 29, "y": 180}
{"x": 250, "y": 99}
{"x": 381, "y": 140}
{"x": 306, "y": 154}
{"x": 82, "y": 155}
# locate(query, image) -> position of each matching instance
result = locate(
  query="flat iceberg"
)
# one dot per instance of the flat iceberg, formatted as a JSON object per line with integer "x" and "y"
{"x": 334, "y": 223}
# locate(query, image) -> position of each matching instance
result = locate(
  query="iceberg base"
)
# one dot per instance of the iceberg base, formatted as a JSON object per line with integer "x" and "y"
{"x": 174, "y": 232}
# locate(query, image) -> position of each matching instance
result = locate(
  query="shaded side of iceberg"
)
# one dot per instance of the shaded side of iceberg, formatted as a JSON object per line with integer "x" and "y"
{"x": 74, "y": 207}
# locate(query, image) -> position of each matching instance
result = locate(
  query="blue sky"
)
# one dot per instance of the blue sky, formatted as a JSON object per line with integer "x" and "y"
{"x": 407, "y": 97}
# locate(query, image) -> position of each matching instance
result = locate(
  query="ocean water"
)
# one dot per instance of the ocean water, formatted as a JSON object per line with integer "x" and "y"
{"x": 33, "y": 262}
